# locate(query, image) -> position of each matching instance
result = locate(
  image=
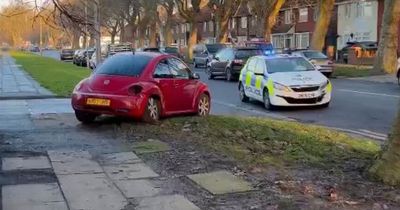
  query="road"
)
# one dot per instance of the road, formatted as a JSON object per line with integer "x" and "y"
{"x": 358, "y": 107}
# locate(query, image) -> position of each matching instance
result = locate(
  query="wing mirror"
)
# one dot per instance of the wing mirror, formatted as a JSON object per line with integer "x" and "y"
{"x": 216, "y": 58}
{"x": 195, "y": 76}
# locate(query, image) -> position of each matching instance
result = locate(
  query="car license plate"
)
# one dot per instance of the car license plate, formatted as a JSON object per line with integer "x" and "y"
{"x": 306, "y": 95}
{"x": 98, "y": 102}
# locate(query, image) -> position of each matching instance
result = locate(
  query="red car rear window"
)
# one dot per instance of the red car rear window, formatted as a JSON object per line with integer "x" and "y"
{"x": 124, "y": 65}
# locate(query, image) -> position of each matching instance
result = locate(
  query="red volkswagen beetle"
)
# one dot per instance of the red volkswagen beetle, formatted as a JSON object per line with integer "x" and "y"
{"x": 141, "y": 85}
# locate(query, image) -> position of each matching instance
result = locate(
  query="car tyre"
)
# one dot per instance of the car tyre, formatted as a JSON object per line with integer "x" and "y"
{"x": 210, "y": 75}
{"x": 85, "y": 117}
{"x": 228, "y": 74}
{"x": 152, "y": 111}
{"x": 242, "y": 94}
{"x": 203, "y": 105}
{"x": 398, "y": 77}
{"x": 266, "y": 99}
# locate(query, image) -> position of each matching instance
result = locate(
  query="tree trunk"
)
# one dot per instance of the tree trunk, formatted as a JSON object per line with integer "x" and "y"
{"x": 84, "y": 43}
{"x": 223, "y": 30}
{"x": 192, "y": 39}
{"x": 75, "y": 40}
{"x": 386, "y": 57}
{"x": 387, "y": 167}
{"x": 271, "y": 19}
{"x": 168, "y": 34}
{"x": 122, "y": 33}
{"x": 321, "y": 28}
{"x": 153, "y": 35}
{"x": 141, "y": 38}
{"x": 113, "y": 37}
{"x": 91, "y": 41}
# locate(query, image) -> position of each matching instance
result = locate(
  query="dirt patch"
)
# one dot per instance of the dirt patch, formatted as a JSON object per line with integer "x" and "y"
{"x": 342, "y": 185}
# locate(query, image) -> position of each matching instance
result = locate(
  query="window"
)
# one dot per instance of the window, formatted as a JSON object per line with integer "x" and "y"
{"x": 183, "y": 28}
{"x": 178, "y": 69}
{"x": 124, "y": 65}
{"x": 302, "y": 40}
{"x": 316, "y": 13}
{"x": 162, "y": 70}
{"x": 211, "y": 26}
{"x": 205, "y": 26}
{"x": 233, "y": 22}
{"x": 254, "y": 21}
{"x": 243, "y": 21}
{"x": 347, "y": 10}
{"x": 288, "y": 65}
{"x": 303, "y": 15}
{"x": 260, "y": 66}
{"x": 288, "y": 16}
{"x": 360, "y": 10}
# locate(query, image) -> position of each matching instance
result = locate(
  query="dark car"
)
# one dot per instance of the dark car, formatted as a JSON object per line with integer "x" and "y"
{"x": 67, "y": 54}
{"x": 228, "y": 62}
{"x": 83, "y": 56}
{"x": 343, "y": 54}
{"x": 172, "y": 51}
{"x": 204, "y": 53}
{"x": 266, "y": 47}
{"x": 151, "y": 49}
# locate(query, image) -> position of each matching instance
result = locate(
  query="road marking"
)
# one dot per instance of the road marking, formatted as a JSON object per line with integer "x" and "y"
{"x": 368, "y": 93}
{"x": 368, "y": 134}
{"x": 374, "y": 133}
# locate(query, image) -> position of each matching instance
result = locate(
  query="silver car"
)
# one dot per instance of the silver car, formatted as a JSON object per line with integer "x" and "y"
{"x": 321, "y": 61}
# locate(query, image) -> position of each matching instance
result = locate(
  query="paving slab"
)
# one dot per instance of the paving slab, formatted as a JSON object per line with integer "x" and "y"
{"x": 221, "y": 182}
{"x": 119, "y": 158}
{"x": 25, "y": 163}
{"x": 50, "y": 106}
{"x": 33, "y": 197}
{"x": 168, "y": 202}
{"x": 73, "y": 162}
{"x": 129, "y": 171}
{"x": 150, "y": 146}
{"x": 137, "y": 188}
{"x": 91, "y": 192}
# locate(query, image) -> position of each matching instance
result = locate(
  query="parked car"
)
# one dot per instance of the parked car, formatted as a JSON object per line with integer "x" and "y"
{"x": 141, "y": 85}
{"x": 343, "y": 54}
{"x": 83, "y": 56}
{"x": 151, "y": 49}
{"x": 172, "y": 51}
{"x": 321, "y": 61}
{"x": 266, "y": 47}
{"x": 66, "y": 54}
{"x": 113, "y": 49}
{"x": 75, "y": 56}
{"x": 34, "y": 49}
{"x": 204, "y": 53}
{"x": 229, "y": 61}
{"x": 284, "y": 80}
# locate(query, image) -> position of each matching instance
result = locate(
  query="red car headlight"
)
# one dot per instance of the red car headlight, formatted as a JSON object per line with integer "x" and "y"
{"x": 135, "y": 90}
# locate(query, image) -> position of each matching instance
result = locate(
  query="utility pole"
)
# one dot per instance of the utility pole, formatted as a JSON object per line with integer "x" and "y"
{"x": 97, "y": 31}
{"x": 86, "y": 34}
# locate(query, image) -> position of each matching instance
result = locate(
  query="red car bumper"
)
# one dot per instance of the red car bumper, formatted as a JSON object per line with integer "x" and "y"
{"x": 129, "y": 106}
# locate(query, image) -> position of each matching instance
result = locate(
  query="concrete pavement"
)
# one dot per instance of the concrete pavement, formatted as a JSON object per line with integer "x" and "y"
{"x": 15, "y": 83}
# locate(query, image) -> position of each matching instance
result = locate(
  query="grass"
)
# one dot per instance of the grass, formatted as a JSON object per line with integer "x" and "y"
{"x": 57, "y": 76}
{"x": 352, "y": 71}
{"x": 256, "y": 141}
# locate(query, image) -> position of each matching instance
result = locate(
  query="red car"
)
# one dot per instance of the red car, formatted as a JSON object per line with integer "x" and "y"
{"x": 142, "y": 85}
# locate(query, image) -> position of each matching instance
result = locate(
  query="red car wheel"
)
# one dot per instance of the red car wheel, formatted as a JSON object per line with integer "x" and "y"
{"x": 85, "y": 117}
{"x": 203, "y": 108}
{"x": 152, "y": 112}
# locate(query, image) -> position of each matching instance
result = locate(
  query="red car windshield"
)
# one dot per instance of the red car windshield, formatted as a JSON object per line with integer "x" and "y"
{"x": 124, "y": 65}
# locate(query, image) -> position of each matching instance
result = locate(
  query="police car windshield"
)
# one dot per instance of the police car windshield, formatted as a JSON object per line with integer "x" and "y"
{"x": 288, "y": 65}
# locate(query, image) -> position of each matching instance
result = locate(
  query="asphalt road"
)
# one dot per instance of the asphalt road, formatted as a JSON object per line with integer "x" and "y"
{"x": 358, "y": 107}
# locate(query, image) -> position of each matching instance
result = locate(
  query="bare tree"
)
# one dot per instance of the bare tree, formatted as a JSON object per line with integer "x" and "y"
{"x": 190, "y": 13}
{"x": 166, "y": 16}
{"x": 387, "y": 166}
{"x": 386, "y": 59}
{"x": 321, "y": 28}
{"x": 223, "y": 10}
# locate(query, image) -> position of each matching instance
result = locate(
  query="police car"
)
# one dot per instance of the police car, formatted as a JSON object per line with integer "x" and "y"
{"x": 284, "y": 80}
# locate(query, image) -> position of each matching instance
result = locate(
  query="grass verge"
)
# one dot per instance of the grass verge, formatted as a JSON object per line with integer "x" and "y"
{"x": 352, "y": 71}
{"x": 256, "y": 141}
{"x": 57, "y": 76}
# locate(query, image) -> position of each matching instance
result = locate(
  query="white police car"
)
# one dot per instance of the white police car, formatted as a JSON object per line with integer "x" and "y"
{"x": 284, "y": 80}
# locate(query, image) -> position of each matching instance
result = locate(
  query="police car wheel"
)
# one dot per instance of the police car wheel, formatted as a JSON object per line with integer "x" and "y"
{"x": 228, "y": 74}
{"x": 242, "y": 94}
{"x": 267, "y": 102}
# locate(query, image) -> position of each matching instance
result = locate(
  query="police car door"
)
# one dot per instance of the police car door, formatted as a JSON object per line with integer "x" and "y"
{"x": 257, "y": 79}
{"x": 247, "y": 78}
